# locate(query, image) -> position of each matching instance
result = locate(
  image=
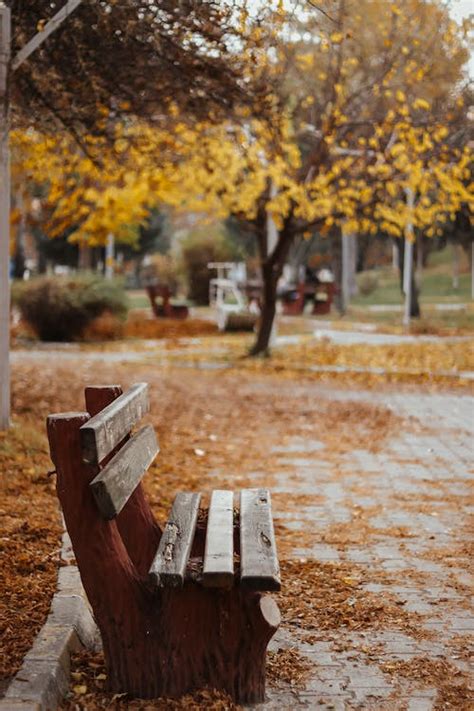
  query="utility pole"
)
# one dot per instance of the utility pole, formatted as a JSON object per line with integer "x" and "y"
{"x": 348, "y": 268}
{"x": 455, "y": 253}
{"x": 5, "y": 25}
{"x": 408, "y": 257}
{"x": 272, "y": 241}
{"x": 7, "y": 67}
{"x": 472, "y": 270}
{"x": 109, "y": 256}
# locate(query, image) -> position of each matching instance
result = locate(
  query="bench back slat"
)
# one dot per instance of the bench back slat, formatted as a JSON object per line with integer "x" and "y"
{"x": 103, "y": 432}
{"x": 117, "y": 481}
{"x": 259, "y": 568}
{"x": 219, "y": 552}
{"x": 169, "y": 565}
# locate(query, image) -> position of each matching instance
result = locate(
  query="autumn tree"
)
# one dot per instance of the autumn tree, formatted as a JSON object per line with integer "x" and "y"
{"x": 112, "y": 60}
{"x": 355, "y": 90}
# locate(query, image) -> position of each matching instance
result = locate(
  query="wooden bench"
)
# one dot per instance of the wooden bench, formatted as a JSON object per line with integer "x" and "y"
{"x": 178, "y": 609}
{"x": 166, "y": 309}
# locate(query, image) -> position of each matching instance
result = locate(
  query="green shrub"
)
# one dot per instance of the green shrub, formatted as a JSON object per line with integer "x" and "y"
{"x": 367, "y": 283}
{"x": 61, "y": 308}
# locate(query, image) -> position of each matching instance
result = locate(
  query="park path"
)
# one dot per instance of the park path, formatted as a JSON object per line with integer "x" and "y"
{"x": 400, "y": 520}
{"x": 372, "y": 496}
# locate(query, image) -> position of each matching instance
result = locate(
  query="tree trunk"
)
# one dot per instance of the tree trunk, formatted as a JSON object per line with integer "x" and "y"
{"x": 84, "y": 257}
{"x": 414, "y": 303}
{"x": 270, "y": 276}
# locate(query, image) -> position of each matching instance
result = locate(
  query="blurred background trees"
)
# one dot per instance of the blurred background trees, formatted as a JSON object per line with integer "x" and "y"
{"x": 302, "y": 134}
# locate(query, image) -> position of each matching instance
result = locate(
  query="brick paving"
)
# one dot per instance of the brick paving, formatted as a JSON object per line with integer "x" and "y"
{"x": 421, "y": 480}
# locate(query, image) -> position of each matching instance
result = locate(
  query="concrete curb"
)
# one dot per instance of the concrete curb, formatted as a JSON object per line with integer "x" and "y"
{"x": 43, "y": 679}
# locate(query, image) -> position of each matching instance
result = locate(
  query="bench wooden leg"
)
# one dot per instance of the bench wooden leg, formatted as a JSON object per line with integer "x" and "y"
{"x": 138, "y": 528}
{"x": 218, "y": 639}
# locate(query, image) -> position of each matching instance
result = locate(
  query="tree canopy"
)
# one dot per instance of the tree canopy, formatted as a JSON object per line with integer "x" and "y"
{"x": 127, "y": 58}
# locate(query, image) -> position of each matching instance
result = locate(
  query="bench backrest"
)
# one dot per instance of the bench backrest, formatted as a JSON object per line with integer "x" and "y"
{"x": 108, "y": 433}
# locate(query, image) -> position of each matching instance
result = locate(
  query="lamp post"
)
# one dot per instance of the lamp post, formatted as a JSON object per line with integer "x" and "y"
{"x": 408, "y": 257}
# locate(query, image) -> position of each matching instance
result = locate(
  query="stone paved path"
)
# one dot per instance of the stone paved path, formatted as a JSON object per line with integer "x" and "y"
{"x": 433, "y": 462}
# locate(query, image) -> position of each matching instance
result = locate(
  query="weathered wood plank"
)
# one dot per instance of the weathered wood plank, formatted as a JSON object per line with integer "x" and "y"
{"x": 169, "y": 565}
{"x": 219, "y": 552}
{"x": 114, "y": 485}
{"x": 259, "y": 569}
{"x": 104, "y": 431}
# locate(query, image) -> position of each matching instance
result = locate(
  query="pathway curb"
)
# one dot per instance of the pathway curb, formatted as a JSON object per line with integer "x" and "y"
{"x": 43, "y": 678}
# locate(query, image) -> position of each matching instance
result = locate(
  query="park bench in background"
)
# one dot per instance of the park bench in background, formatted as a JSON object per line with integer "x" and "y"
{"x": 165, "y": 309}
{"x": 177, "y": 609}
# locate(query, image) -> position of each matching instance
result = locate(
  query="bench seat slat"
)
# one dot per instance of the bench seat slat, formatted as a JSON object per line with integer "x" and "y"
{"x": 117, "y": 481}
{"x": 169, "y": 565}
{"x": 105, "y": 430}
{"x": 219, "y": 552}
{"x": 259, "y": 568}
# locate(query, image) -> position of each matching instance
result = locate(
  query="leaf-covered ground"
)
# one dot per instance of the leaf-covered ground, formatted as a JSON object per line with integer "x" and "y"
{"x": 29, "y": 542}
{"x": 225, "y": 428}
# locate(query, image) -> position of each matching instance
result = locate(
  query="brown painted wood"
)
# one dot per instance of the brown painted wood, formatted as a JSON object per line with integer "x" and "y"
{"x": 169, "y": 565}
{"x": 117, "y": 481}
{"x": 103, "y": 432}
{"x": 138, "y": 528}
{"x": 110, "y": 579}
{"x": 160, "y": 641}
{"x": 259, "y": 567}
{"x": 218, "y": 569}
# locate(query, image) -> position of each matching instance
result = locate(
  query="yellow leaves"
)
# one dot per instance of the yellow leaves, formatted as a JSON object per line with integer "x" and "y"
{"x": 336, "y": 37}
{"x": 121, "y": 145}
{"x": 305, "y": 61}
{"x": 80, "y": 689}
{"x": 421, "y": 104}
{"x": 400, "y": 96}
{"x": 420, "y": 73}
{"x": 392, "y": 188}
{"x": 440, "y": 133}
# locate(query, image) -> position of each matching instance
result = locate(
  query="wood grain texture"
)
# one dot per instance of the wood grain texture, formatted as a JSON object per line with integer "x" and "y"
{"x": 136, "y": 523}
{"x": 218, "y": 569}
{"x": 105, "y": 430}
{"x": 169, "y": 565}
{"x": 259, "y": 568}
{"x": 114, "y": 485}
